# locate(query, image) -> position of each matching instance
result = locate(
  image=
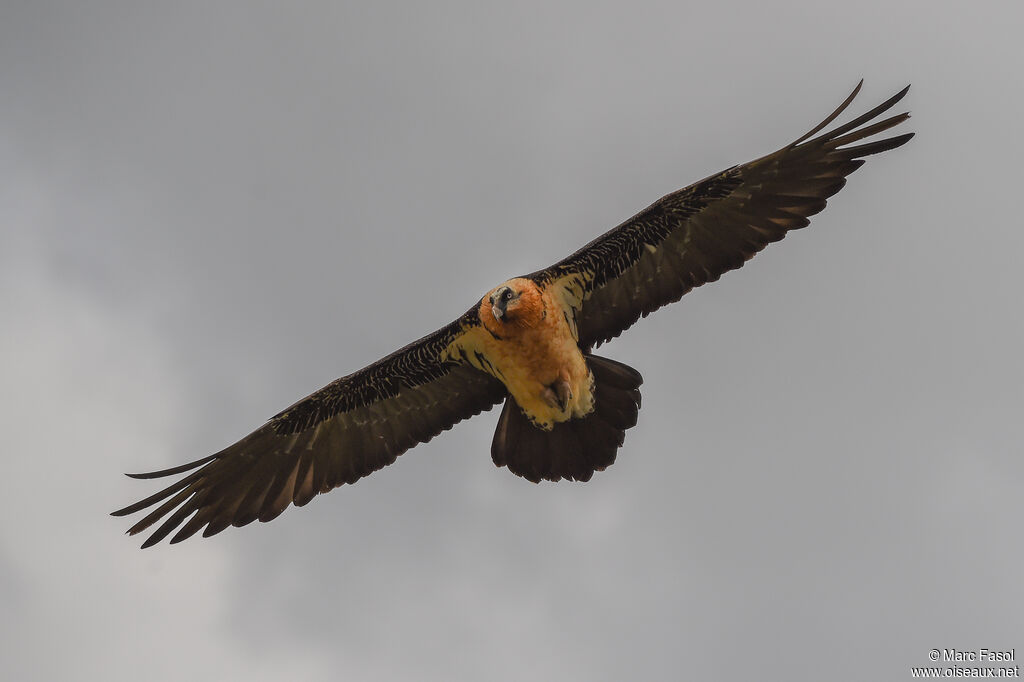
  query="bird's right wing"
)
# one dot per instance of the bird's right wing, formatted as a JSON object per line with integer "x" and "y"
{"x": 346, "y": 430}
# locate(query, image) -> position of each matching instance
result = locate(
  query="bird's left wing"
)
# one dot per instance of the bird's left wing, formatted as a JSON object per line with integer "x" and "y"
{"x": 346, "y": 430}
{"x": 696, "y": 234}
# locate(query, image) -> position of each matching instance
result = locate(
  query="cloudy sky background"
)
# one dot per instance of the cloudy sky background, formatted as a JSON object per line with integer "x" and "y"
{"x": 212, "y": 209}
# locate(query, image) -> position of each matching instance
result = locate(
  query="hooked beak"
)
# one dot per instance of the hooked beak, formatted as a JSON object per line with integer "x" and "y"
{"x": 499, "y": 304}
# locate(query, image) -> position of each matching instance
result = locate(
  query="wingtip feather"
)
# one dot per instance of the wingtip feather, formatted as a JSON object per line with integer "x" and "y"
{"x": 174, "y": 470}
{"x": 831, "y": 117}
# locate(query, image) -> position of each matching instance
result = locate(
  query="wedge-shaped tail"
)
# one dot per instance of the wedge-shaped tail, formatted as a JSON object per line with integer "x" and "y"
{"x": 575, "y": 449}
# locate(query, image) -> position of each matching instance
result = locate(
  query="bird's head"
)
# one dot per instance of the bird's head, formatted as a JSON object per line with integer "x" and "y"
{"x": 517, "y": 301}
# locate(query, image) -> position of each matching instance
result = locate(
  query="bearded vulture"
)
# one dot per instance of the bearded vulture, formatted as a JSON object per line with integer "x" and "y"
{"x": 527, "y": 342}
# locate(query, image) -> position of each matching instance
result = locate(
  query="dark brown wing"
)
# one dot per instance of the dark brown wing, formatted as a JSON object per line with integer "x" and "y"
{"x": 344, "y": 431}
{"x": 696, "y": 234}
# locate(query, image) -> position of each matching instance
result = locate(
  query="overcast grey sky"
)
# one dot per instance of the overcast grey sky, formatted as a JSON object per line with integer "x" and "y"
{"x": 212, "y": 209}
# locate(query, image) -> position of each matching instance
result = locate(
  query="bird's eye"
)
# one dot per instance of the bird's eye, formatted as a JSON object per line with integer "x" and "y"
{"x": 507, "y": 295}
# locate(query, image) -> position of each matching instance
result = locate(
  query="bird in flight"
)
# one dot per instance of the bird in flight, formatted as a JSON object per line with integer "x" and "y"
{"x": 528, "y": 342}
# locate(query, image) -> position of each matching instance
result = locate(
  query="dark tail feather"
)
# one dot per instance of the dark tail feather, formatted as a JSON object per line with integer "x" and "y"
{"x": 575, "y": 449}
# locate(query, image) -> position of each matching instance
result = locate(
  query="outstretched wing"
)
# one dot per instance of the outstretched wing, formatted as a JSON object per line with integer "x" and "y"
{"x": 344, "y": 431}
{"x": 696, "y": 234}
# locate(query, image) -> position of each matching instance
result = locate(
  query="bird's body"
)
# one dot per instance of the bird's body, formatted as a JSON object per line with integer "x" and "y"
{"x": 533, "y": 350}
{"x": 527, "y": 342}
